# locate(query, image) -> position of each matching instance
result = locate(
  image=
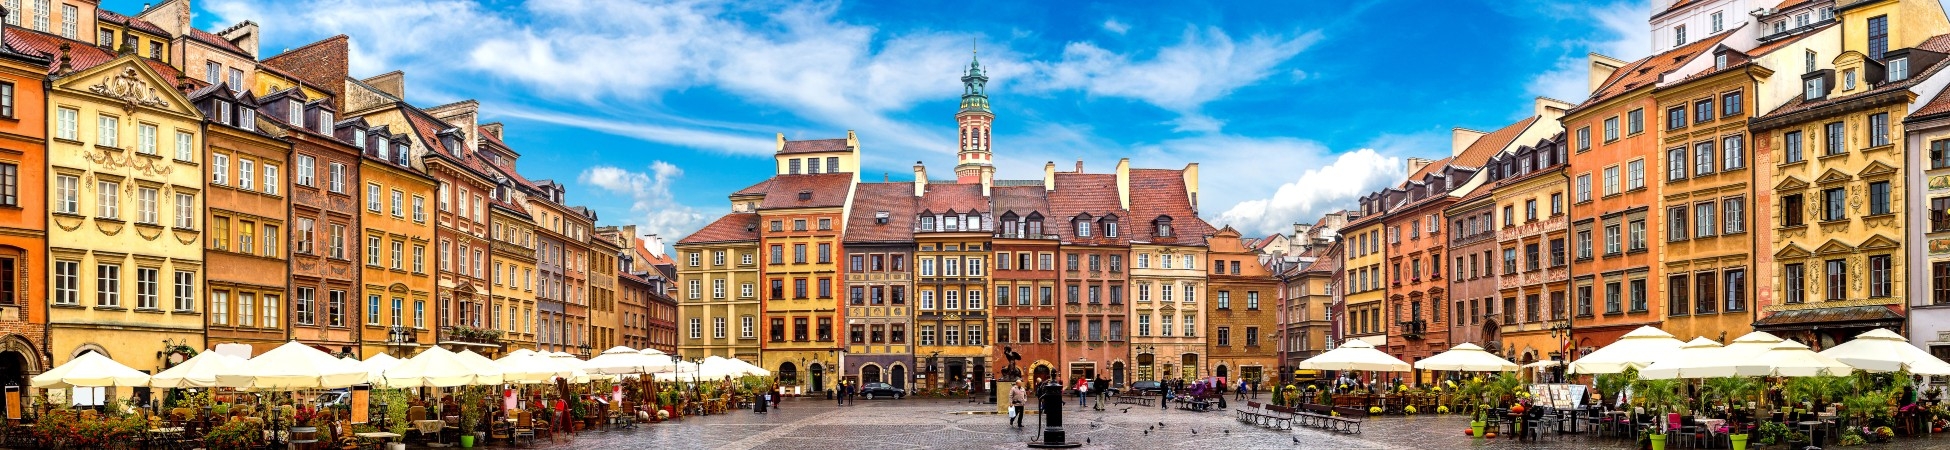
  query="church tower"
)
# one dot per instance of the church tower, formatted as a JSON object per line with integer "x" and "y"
{"x": 973, "y": 157}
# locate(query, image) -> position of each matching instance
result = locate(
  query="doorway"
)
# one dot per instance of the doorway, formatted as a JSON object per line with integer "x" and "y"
{"x": 818, "y": 377}
{"x": 899, "y": 376}
{"x": 870, "y": 374}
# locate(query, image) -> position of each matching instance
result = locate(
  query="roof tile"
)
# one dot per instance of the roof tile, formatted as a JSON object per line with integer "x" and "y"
{"x": 734, "y": 227}
{"x": 826, "y": 190}
{"x": 1085, "y": 193}
{"x": 872, "y": 199}
{"x": 813, "y": 146}
{"x": 1162, "y": 192}
{"x": 1646, "y": 71}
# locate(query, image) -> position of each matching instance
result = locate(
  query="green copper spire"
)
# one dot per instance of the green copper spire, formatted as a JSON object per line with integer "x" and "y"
{"x": 972, "y": 97}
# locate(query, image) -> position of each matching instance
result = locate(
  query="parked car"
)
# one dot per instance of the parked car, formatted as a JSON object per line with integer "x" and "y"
{"x": 881, "y": 390}
{"x": 333, "y": 398}
{"x": 1147, "y": 387}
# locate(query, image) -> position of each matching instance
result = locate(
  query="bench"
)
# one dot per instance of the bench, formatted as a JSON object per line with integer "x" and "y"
{"x": 1277, "y": 417}
{"x": 1137, "y": 399}
{"x": 1199, "y": 404}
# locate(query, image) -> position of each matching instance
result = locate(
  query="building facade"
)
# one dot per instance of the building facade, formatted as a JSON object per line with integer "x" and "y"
{"x": 1240, "y": 316}
{"x": 1026, "y": 311}
{"x": 879, "y": 241}
{"x": 246, "y": 208}
{"x": 730, "y": 246}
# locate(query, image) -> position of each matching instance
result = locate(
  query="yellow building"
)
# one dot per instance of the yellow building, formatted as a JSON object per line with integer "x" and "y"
{"x": 126, "y": 199}
{"x": 952, "y": 321}
{"x": 717, "y": 278}
{"x": 403, "y": 282}
{"x": 513, "y": 237}
{"x": 1168, "y": 274}
{"x": 802, "y": 212}
{"x": 1838, "y": 183}
{"x": 1364, "y": 291}
{"x": 605, "y": 323}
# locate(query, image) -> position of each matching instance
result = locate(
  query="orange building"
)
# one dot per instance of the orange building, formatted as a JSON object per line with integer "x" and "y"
{"x": 1240, "y": 316}
{"x": 246, "y": 212}
{"x": 23, "y": 217}
{"x": 1613, "y": 152}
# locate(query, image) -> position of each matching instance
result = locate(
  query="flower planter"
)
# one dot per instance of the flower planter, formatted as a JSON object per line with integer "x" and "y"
{"x": 1739, "y": 441}
{"x": 467, "y": 441}
{"x": 1476, "y": 428}
{"x": 304, "y": 435}
{"x": 1659, "y": 442}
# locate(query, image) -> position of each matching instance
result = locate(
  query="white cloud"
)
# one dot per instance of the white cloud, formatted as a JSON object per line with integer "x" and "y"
{"x": 1206, "y": 65}
{"x": 1317, "y": 191}
{"x": 1621, "y": 33}
{"x": 1114, "y": 26}
{"x": 650, "y": 197}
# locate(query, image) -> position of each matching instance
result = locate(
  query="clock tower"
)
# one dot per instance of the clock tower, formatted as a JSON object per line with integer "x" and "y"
{"x": 973, "y": 156}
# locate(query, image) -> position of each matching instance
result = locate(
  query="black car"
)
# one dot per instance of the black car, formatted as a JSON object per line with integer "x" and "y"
{"x": 881, "y": 390}
{"x": 1146, "y": 387}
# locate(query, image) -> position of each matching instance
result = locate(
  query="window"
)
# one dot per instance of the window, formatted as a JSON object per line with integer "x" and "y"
{"x": 1834, "y": 204}
{"x": 1879, "y": 276}
{"x": 1612, "y": 240}
{"x": 1638, "y": 294}
{"x": 1703, "y": 111}
{"x": 184, "y": 150}
{"x": 372, "y": 197}
{"x": 106, "y": 199}
{"x": 1584, "y": 187}
{"x": 1835, "y": 139}
{"x": 1733, "y": 156}
{"x": 1879, "y": 198}
{"x": 398, "y": 202}
{"x": 1611, "y": 129}
{"x": 69, "y": 16}
{"x": 1939, "y": 214}
{"x": 1635, "y": 230}
{"x": 42, "y": 9}
{"x": 1878, "y": 37}
{"x": 185, "y": 291}
{"x": 1635, "y": 174}
{"x": 1584, "y": 138}
{"x": 1676, "y": 163}
{"x": 1898, "y": 70}
{"x": 145, "y": 205}
{"x": 1940, "y": 283}
{"x": 145, "y": 137}
{"x": 107, "y": 131}
{"x": 1584, "y": 245}
{"x": 65, "y": 121}
{"x": 1635, "y": 121}
{"x": 1705, "y": 222}
{"x": 246, "y": 174}
{"x": 145, "y": 287}
{"x": 1791, "y": 144}
{"x": 1837, "y": 271}
{"x": 1791, "y": 210}
{"x": 1703, "y": 158}
{"x": 1679, "y": 35}
{"x": 1878, "y": 129}
{"x": 337, "y": 173}
{"x": 1676, "y": 117}
{"x": 419, "y": 209}
{"x": 1611, "y": 180}
{"x": 67, "y": 282}
{"x": 108, "y": 285}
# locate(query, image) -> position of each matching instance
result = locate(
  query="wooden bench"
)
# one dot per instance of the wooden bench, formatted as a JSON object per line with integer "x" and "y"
{"x": 1130, "y": 399}
{"x": 1278, "y": 417}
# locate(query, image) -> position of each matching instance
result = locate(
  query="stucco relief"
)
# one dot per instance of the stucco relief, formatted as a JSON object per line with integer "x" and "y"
{"x": 147, "y": 166}
{"x": 128, "y": 87}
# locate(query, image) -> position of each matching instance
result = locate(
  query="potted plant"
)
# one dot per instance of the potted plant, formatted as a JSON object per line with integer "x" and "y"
{"x": 1796, "y": 439}
{"x": 470, "y": 415}
{"x": 1657, "y": 396}
{"x": 1732, "y": 390}
{"x": 234, "y": 435}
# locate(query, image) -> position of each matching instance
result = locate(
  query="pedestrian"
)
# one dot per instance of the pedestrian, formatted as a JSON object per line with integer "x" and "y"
{"x": 1164, "y": 395}
{"x": 778, "y": 391}
{"x": 840, "y": 396}
{"x": 1016, "y": 399}
{"x": 1083, "y": 391}
{"x": 1242, "y": 391}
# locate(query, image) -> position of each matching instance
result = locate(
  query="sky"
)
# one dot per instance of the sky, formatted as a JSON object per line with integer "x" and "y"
{"x": 654, "y": 111}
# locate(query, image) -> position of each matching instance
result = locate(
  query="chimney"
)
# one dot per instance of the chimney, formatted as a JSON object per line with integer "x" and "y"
{"x": 920, "y": 179}
{"x": 1079, "y": 165}
{"x": 465, "y": 115}
{"x": 1300, "y": 230}
{"x": 1549, "y": 108}
{"x": 1415, "y": 164}
{"x": 1601, "y": 69}
{"x": 1123, "y": 172}
{"x": 491, "y": 129}
{"x": 1459, "y": 139}
{"x": 1049, "y": 176}
{"x": 243, "y": 35}
{"x": 392, "y": 83}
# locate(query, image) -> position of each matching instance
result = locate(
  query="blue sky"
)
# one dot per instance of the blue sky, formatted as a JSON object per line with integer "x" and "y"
{"x": 655, "y": 111}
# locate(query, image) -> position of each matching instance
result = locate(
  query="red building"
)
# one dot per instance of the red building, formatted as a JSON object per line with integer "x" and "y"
{"x": 1026, "y": 312}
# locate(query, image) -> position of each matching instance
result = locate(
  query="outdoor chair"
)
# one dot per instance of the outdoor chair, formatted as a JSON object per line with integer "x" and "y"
{"x": 524, "y": 426}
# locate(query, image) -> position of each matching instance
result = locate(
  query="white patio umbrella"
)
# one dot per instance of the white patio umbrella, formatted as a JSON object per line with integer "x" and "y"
{"x": 685, "y": 370}
{"x": 376, "y": 366}
{"x": 433, "y": 367}
{"x": 199, "y": 371}
{"x": 90, "y": 370}
{"x": 1466, "y": 357}
{"x": 1636, "y": 349}
{"x": 530, "y": 367}
{"x": 1793, "y": 359}
{"x": 1881, "y": 350}
{"x": 619, "y": 360}
{"x": 752, "y": 369}
{"x": 292, "y": 366}
{"x": 1356, "y": 354}
{"x": 1699, "y": 358}
{"x": 651, "y": 351}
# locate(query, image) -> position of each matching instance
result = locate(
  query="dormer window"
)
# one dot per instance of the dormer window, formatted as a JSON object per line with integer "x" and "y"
{"x": 1813, "y": 87}
{"x": 246, "y": 118}
{"x": 1720, "y": 60}
{"x": 974, "y": 222}
{"x": 399, "y": 157}
{"x": 359, "y": 138}
{"x": 384, "y": 155}
{"x": 1110, "y": 228}
{"x": 1163, "y": 225}
{"x": 1848, "y": 79}
{"x": 950, "y": 223}
{"x": 927, "y": 223}
{"x": 805, "y": 195}
{"x": 297, "y": 111}
{"x": 1898, "y": 69}
{"x": 1083, "y": 225}
{"x": 880, "y": 217}
{"x": 223, "y": 111}
{"x": 324, "y": 121}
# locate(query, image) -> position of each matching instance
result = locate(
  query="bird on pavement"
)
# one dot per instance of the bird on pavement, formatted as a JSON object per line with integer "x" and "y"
{"x": 1086, "y": 440}
{"x": 1194, "y": 431}
{"x": 1228, "y": 431}
{"x": 1148, "y": 428}
{"x": 1296, "y": 441}
{"x": 1161, "y": 424}
{"x": 1147, "y": 432}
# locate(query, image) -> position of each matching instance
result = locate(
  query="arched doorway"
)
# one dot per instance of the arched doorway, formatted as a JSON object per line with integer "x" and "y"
{"x": 818, "y": 377}
{"x": 13, "y": 372}
{"x": 899, "y": 376}
{"x": 1041, "y": 372}
{"x": 1117, "y": 373}
{"x": 870, "y": 374}
{"x": 1220, "y": 372}
{"x": 788, "y": 373}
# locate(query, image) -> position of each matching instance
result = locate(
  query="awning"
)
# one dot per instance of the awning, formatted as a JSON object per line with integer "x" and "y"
{"x": 1810, "y": 318}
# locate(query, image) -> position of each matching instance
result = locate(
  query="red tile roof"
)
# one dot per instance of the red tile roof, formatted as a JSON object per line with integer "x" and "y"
{"x": 1489, "y": 145}
{"x": 103, "y": 14}
{"x": 1938, "y": 105}
{"x": 1329, "y": 262}
{"x": 1770, "y": 47}
{"x": 755, "y": 188}
{"x": 1021, "y": 200}
{"x": 219, "y": 42}
{"x": 813, "y": 146}
{"x": 1162, "y": 192}
{"x": 82, "y": 56}
{"x": 1939, "y": 44}
{"x": 1425, "y": 171}
{"x": 428, "y": 128}
{"x": 828, "y": 190}
{"x": 1646, "y": 72}
{"x": 734, "y": 227}
{"x": 946, "y": 197}
{"x": 1081, "y": 193}
{"x": 872, "y": 199}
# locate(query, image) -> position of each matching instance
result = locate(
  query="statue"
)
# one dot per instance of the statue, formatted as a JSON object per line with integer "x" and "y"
{"x": 1014, "y": 371}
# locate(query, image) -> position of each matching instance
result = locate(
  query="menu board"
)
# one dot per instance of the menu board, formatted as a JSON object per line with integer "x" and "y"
{"x": 1561, "y": 396}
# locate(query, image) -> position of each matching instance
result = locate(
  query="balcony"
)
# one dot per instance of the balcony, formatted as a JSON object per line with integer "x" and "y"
{"x": 1412, "y": 329}
{"x": 470, "y": 336}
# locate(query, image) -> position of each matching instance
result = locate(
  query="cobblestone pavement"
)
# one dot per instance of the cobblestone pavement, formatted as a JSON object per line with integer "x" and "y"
{"x": 917, "y": 423}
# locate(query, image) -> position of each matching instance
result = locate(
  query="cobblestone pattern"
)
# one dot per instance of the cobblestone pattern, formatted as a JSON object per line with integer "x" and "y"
{"x": 932, "y": 424}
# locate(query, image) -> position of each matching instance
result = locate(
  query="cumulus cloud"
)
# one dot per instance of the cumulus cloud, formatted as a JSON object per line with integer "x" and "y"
{"x": 650, "y": 197}
{"x": 1114, "y": 26}
{"x": 1621, "y": 33}
{"x": 1205, "y": 65}
{"x": 1317, "y": 191}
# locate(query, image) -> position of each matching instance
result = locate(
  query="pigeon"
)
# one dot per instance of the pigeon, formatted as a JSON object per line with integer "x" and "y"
{"x": 1194, "y": 431}
{"x": 1148, "y": 428}
{"x": 1161, "y": 424}
{"x": 1228, "y": 431}
{"x": 1147, "y": 432}
{"x": 1086, "y": 440}
{"x": 1296, "y": 441}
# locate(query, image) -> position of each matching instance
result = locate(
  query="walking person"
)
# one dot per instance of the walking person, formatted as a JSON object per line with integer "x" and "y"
{"x": 1164, "y": 396}
{"x": 1083, "y": 392}
{"x": 1242, "y": 391}
{"x": 1016, "y": 398}
{"x": 839, "y": 394}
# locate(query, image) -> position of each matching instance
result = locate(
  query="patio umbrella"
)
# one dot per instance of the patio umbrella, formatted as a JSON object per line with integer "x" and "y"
{"x": 1794, "y": 359}
{"x": 751, "y": 369}
{"x": 486, "y": 371}
{"x": 651, "y": 351}
{"x": 1356, "y": 354}
{"x": 292, "y": 366}
{"x": 90, "y": 370}
{"x": 684, "y": 370}
{"x": 1636, "y": 349}
{"x": 530, "y": 367}
{"x": 1881, "y": 350}
{"x": 1701, "y": 358}
{"x": 376, "y": 366}
{"x": 433, "y": 367}
{"x": 199, "y": 371}
{"x": 619, "y": 360}
{"x": 1466, "y": 357}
